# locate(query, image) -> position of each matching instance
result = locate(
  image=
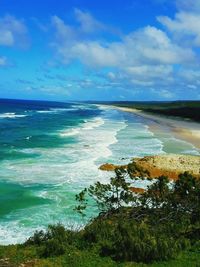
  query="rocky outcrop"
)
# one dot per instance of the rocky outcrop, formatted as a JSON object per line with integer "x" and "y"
{"x": 110, "y": 167}
{"x": 171, "y": 165}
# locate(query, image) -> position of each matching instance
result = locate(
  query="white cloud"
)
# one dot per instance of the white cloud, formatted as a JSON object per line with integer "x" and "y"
{"x": 145, "y": 72}
{"x": 111, "y": 75}
{"x": 166, "y": 93}
{"x": 12, "y": 31}
{"x": 88, "y": 22}
{"x": 192, "y": 86}
{"x": 185, "y": 25}
{"x": 96, "y": 55}
{"x": 63, "y": 31}
{"x": 153, "y": 46}
{"x": 146, "y": 58}
{"x": 189, "y": 5}
{"x": 43, "y": 27}
{"x": 3, "y": 61}
{"x": 53, "y": 90}
{"x": 146, "y": 46}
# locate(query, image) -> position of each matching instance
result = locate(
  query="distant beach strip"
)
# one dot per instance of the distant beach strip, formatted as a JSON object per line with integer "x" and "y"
{"x": 181, "y": 129}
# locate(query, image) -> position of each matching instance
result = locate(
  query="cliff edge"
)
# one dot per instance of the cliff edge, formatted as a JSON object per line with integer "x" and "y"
{"x": 170, "y": 165}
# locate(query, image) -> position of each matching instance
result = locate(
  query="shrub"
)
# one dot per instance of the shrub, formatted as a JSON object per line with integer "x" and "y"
{"x": 52, "y": 247}
{"x": 155, "y": 225}
{"x": 54, "y": 241}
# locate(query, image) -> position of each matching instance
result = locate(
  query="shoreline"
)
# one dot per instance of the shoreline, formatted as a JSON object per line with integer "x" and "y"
{"x": 184, "y": 130}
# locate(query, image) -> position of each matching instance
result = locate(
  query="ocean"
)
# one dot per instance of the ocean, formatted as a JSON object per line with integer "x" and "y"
{"x": 50, "y": 151}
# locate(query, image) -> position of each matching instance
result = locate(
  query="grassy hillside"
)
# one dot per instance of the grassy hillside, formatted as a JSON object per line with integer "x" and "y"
{"x": 14, "y": 256}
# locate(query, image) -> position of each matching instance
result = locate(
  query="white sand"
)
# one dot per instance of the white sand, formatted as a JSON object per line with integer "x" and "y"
{"x": 182, "y": 129}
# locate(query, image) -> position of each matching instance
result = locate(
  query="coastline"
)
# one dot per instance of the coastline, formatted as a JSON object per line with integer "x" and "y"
{"x": 170, "y": 165}
{"x": 184, "y": 130}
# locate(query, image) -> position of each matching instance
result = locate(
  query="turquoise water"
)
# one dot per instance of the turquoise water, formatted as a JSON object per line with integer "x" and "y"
{"x": 50, "y": 151}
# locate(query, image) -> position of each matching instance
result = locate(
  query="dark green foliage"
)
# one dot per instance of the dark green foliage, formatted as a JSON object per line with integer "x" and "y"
{"x": 54, "y": 241}
{"x": 37, "y": 239}
{"x": 184, "y": 109}
{"x": 124, "y": 239}
{"x": 52, "y": 248}
{"x": 152, "y": 226}
{"x": 139, "y": 242}
{"x": 109, "y": 197}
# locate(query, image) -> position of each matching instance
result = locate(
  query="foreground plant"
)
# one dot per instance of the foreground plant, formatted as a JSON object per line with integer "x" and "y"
{"x": 154, "y": 225}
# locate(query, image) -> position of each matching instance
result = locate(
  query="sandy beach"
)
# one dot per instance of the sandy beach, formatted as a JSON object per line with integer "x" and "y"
{"x": 185, "y": 130}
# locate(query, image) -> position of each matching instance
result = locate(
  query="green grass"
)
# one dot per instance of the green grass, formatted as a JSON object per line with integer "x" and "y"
{"x": 87, "y": 258}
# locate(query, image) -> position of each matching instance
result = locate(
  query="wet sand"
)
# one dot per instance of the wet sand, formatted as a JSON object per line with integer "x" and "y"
{"x": 182, "y": 129}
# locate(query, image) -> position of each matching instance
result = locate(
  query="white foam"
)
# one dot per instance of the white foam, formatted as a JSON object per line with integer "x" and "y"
{"x": 11, "y": 115}
{"x": 44, "y": 111}
{"x": 61, "y": 109}
{"x": 66, "y": 163}
{"x": 26, "y": 222}
{"x": 89, "y": 125}
{"x": 70, "y": 132}
{"x": 191, "y": 152}
{"x": 84, "y": 106}
{"x": 28, "y": 150}
{"x": 56, "y": 110}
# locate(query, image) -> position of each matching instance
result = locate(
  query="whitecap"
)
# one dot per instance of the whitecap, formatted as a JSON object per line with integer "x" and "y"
{"x": 56, "y": 110}
{"x": 11, "y": 115}
{"x": 89, "y": 125}
{"x": 70, "y": 132}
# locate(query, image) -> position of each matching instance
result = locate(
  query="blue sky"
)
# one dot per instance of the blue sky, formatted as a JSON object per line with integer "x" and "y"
{"x": 100, "y": 50}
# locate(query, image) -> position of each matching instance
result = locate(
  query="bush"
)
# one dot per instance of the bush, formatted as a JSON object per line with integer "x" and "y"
{"x": 124, "y": 239}
{"x": 52, "y": 247}
{"x": 141, "y": 243}
{"x": 155, "y": 225}
{"x": 54, "y": 241}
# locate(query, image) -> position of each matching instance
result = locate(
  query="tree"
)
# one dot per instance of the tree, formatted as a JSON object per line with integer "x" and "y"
{"x": 109, "y": 197}
{"x": 154, "y": 225}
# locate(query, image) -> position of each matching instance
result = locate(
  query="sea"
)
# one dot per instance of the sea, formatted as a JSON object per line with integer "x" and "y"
{"x": 50, "y": 151}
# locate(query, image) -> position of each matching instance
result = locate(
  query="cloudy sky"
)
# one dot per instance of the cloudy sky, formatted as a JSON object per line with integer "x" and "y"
{"x": 100, "y": 50}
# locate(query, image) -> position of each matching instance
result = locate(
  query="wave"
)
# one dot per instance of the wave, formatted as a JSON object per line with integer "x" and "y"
{"x": 70, "y": 132}
{"x": 56, "y": 110}
{"x": 11, "y": 115}
{"x": 87, "y": 125}
{"x": 191, "y": 152}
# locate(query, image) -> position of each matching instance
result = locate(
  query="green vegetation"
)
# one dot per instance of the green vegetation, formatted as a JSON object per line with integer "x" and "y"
{"x": 184, "y": 109}
{"x": 160, "y": 227}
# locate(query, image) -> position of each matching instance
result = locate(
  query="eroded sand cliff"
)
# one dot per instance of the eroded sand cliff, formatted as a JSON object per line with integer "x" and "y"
{"x": 170, "y": 165}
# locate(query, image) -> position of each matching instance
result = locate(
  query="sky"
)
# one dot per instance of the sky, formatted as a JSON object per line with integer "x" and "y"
{"x": 100, "y": 50}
